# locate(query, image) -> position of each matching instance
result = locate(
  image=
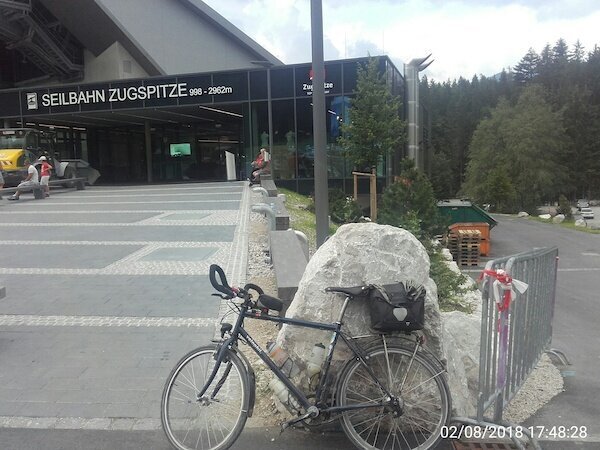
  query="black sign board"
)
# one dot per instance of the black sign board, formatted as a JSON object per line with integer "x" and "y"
{"x": 127, "y": 94}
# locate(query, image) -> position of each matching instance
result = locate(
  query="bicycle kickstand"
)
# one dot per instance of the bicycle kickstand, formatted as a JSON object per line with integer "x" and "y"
{"x": 311, "y": 412}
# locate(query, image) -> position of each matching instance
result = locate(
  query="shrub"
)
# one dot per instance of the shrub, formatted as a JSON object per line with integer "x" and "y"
{"x": 450, "y": 285}
{"x": 564, "y": 207}
{"x": 409, "y": 203}
{"x": 342, "y": 209}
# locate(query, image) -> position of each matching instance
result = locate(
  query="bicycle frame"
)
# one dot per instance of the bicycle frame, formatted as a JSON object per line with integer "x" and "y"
{"x": 239, "y": 331}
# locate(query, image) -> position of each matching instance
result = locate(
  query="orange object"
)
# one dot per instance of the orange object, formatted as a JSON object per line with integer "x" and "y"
{"x": 482, "y": 227}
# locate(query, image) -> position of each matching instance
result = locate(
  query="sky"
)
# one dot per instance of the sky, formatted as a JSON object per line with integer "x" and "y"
{"x": 465, "y": 37}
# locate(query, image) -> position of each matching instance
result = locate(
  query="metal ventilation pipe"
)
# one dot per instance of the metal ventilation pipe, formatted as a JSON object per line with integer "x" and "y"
{"x": 303, "y": 242}
{"x": 260, "y": 190}
{"x": 267, "y": 210}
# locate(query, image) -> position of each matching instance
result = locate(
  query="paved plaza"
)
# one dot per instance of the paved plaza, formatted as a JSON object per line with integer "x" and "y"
{"x": 106, "y": 289}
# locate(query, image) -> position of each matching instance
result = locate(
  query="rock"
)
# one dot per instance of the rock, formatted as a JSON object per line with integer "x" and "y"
{"x": 580, "y": 223}
{"x": 545, "y": 216}
{"x": 523, "y": 214}
{"x": 359, "y": 253}
{"x": 559, "y": 218}
{"x": 370, "y": 253}
{"x": 446, "y": 254}
{"x": 461, "y": 335}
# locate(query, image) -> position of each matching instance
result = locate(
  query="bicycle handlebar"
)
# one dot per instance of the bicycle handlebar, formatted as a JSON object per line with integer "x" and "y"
{"x": 223, "y": 286}
{"x": 253, "y": 287}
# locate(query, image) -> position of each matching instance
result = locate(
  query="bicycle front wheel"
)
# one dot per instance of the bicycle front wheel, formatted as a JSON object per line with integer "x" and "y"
{"x": 215, "y": 420}
{"x": 420, "y": 386}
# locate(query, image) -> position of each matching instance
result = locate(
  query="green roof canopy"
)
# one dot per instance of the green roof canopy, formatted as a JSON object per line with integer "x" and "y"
{"x": 464, "y": 211}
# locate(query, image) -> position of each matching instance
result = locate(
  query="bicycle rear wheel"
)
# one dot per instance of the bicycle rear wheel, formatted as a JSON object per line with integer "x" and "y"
{"x": 214, "y": 421}
{"x": 420, "y": 385}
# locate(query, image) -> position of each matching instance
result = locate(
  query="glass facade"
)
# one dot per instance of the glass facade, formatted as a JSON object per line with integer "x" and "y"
{"x": 209, "y": 114}
{"x": 291, "y": 99}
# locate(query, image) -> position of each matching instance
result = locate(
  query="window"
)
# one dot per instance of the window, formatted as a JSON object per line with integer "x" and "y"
{"x": 305, "y": 142}
{"x": 282, "y": 83}
{"x": 258, "y": 85}
{"x": 283, "y": 157}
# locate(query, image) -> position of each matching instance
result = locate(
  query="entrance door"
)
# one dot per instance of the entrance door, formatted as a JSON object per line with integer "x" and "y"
{"x": 212, "y": 160}
{"x": 190, "y": 153}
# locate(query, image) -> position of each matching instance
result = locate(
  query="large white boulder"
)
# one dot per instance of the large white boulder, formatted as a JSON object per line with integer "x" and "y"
{"x": 358, "y": 254}
{"x": 461, "y": 334}
{"x": 559, "y": 218}
{"x": 380, "y": 254}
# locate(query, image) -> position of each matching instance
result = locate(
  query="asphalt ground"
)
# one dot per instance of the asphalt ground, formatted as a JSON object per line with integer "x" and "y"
{"x": 106, "y": 289}
{"x": 575, "y": 329}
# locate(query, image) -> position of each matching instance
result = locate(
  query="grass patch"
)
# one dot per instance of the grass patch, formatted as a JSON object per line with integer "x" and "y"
{"x": 300, "y": 218}
{"x": 570, "y": 224}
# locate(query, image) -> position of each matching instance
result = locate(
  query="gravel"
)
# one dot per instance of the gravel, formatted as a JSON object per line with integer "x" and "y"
{"x": 544, "y": 383}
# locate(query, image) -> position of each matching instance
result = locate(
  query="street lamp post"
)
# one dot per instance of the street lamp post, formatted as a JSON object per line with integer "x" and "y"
{"x": 319, "y": 133}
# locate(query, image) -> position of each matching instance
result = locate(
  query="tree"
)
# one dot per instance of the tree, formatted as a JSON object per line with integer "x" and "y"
{"x": 578, "y": 53}
{"x": 569, "y": 80}
{"x": 441, "y": 175}
{"x": 564, "y": 207}
{"x": 560, "y": 52}
{"x": 409, "y": 203}
{"x": 527, "y": 69}
{"x": 375, "y": 128}
{"x": 500, "y": 191}
{"x": 523, "y": 141}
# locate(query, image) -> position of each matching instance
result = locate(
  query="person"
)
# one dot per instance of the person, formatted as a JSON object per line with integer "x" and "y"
{"x": 30, "y": 181}
{"x": 256, "y": 165}
{"x": 1, "y": 180}
{"x": 260, "y": 165}
{"x": 45, "y": 171}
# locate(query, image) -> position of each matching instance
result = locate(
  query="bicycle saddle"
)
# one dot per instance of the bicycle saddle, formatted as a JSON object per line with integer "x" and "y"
{"x": 270, "y": 302}
{"x": 351, "y": 291}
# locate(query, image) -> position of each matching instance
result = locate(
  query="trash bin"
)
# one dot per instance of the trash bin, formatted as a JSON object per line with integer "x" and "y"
{"x": 465, "y": 215}
{"x": 464, "y": 211}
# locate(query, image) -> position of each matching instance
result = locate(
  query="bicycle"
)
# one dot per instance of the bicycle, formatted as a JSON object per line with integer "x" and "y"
{"x": 391, "y": 394}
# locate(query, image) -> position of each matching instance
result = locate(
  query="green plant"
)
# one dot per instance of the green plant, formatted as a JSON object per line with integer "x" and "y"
{"x": 564, "y": 207}
{"x": 342, "y": 209}
{"x": 375, "y": 128}
{"x": 409, "y": 203}
{"x": 450, "y": 285}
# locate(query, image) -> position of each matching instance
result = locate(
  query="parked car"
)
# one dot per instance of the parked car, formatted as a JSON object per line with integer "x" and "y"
{"x": 582, "y": 203}
{"x": 587, "y": 213}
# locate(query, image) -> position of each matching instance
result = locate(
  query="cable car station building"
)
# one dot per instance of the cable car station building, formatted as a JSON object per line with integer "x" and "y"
{"x": 166, "y": 91}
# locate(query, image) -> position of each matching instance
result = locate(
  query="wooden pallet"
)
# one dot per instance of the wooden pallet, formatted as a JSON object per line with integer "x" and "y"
{"x": 465, "y": 246}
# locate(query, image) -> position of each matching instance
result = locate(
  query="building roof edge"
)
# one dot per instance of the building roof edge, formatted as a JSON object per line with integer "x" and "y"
{"x": 199, "y": 7}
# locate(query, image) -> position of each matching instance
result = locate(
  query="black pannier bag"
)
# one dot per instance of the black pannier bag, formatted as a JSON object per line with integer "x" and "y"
{"x": 397, "y": 307}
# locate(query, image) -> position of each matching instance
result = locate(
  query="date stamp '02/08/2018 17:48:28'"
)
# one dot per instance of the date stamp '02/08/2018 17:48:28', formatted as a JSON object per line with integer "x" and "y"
{"x": 540, "y": 432}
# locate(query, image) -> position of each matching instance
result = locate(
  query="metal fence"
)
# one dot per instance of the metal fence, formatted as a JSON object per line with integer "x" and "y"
{"x": 514, "y": 339}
